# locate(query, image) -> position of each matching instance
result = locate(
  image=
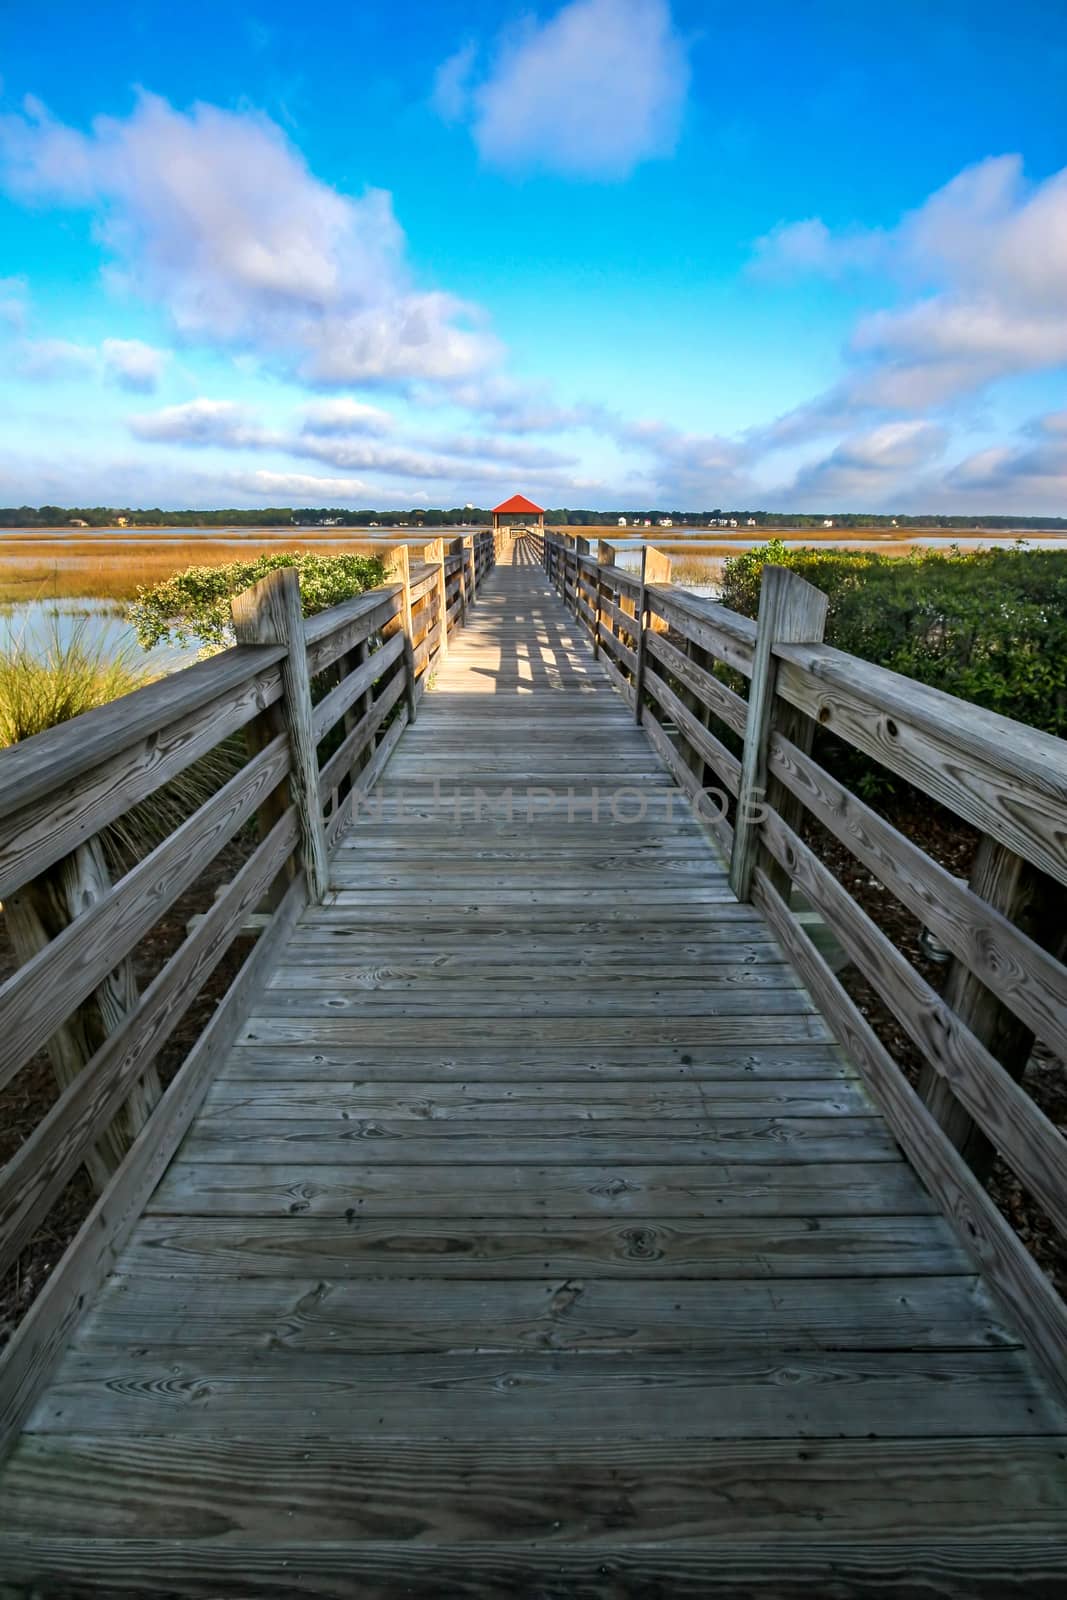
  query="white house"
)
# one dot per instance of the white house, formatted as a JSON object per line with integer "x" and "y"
{"x": 665, "y": 522}
{"x": 622, "y": 522}
{"x": 751, "y": 523}
{"x": 828, "y": 522}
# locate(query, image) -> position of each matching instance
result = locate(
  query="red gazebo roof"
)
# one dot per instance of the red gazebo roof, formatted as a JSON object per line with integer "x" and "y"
{"x": 518, "y": 502}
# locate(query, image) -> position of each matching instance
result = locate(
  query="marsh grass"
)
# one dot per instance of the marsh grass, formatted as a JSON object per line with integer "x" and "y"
{"x": 48, "y": 678}
{"x": 696, "y": 569}
{"x": 34, "y": 568}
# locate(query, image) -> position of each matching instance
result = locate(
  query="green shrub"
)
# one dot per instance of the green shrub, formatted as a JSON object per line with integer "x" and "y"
{"x": 987, "y": 625}
{"x": 195, "y": 604}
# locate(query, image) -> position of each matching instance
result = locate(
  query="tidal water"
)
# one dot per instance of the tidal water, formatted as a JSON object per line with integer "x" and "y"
{"x": 100, "y": 624}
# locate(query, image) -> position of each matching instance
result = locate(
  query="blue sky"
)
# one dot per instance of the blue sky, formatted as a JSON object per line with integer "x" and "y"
{"x": 648, "y": 253}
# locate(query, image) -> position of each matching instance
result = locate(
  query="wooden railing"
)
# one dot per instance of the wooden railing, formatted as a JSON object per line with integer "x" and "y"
{"x": 286, "y": 728}
{"x": 742, "y": 749}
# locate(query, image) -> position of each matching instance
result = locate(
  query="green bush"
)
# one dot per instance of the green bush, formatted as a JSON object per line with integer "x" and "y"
{"x": 195, "y": 604}
{"x": 987, "y": 625}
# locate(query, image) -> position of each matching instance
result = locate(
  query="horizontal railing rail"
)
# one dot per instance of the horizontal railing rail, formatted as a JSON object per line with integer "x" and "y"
{"x": 272, "y": 741}
{"x": 735, "y": 707}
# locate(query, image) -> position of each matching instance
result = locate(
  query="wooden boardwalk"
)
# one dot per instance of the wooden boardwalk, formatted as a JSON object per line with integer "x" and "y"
{"x": 535, "y": 1237}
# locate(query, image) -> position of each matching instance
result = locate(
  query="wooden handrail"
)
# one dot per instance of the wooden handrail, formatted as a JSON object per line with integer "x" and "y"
{"x": 1008, "y": 985}
{"x": 320, "y": 703}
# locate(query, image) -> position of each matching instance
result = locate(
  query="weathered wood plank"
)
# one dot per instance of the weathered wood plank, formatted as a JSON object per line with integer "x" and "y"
{"x": 744, "y": 1031}
{"x": 715, "y": 695}
{"x": 433, "y": 1101}
{"x": 939, "y": 1567}
{"x": 321, "y": 1490}
{"x": 789, "y": 609}
{"x": 632, "y": 1190}
{"x": 218, "y": 1318}
{"x": 332, "y": 706}
{"x": 42, "y": 1165}
{"x": 1026, "y": 977}
{"x": 50, "y": 826}
{"x": 928, "y": 1394}
{"x": 1007, "y": 779}
{"x": 566, "y": 1142}
{"x": 487, "y": 1001}
{"x": 1029, "y": 1142}
{"x": 1024, "y": 1292}
{"x": 591, "y": 1065}
{"x": 36, "y": 999}
{"x": 41, "y": 1337}
{"x": 510, "y": 1247}
{"x": 270, "y": 613}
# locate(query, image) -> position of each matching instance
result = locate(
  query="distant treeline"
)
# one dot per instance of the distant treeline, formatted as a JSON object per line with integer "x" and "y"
{"x": 467, "y": 516}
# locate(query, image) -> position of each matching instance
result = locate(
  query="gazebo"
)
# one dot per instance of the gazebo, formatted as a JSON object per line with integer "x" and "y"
{"x": 518, "y": 515}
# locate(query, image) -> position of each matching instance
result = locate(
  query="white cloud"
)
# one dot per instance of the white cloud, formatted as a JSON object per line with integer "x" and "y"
{"x": 868, "y": 469}
{"x": 215, "y": 217}
{"x": 345, "y": 417}
{"x": 205, "y": 423}
{"x": 133, "y": 364}
{"x": 810, "y": 246}
{"x": 127, "y": 362}
{"x": 50, "y": 360}
{"x": 1032, "y": 472}
{"x": 453, "y": 82}
{"x": 593, "y": 91}
{"x": 296, "y": 488}
{"x": 201, "y": 422}
{"x": 991, "y": 248}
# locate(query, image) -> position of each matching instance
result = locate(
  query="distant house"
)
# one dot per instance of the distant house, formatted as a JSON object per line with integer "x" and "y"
{"x": 648, "y": 522}
{"x": 733, "y": 522}
{"x": 518, "y": 515}
{"x": 122, "y": 522}
{"x": 828, "y": 522}
{"x": 77, "y": 522}
{"x": 622, "y": 522}
{"x": 665, "y": 522}
{"x": 751, "y": 523}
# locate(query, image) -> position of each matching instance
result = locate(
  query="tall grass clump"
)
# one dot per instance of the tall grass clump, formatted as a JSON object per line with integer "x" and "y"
{"x": 50, "y": 679}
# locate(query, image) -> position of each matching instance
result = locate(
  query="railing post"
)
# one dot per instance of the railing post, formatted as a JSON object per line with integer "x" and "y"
{"x": 655, "y": 568}
{"x": 455, "y": 548}
{"x": 468, "y": 550}
{"x": 605, "y": 555}
{"x": 271, "y": 613}
{"x": 435, "y": 555}
{"x": 398, "y": 570}
{"x": 1028, "y": 899}
{"x": 35, "y": 914}
{"x": 581, "y": 548}
{"x": 791, "y": 611}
